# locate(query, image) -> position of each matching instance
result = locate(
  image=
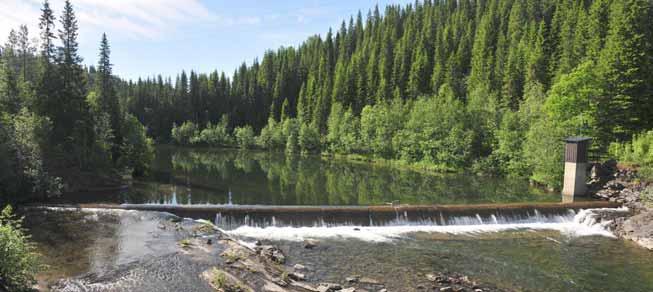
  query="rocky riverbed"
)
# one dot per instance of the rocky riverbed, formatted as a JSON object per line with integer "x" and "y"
{"x": 623, "y": 185}
{"x": 117, "y": 250}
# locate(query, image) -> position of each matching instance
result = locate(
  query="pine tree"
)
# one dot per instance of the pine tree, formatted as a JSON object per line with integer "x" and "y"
{"x": 106, "y": 93}
{"x": 48, "y": 80}
{"x": 9, "y": 95}
{"x": 625, "y": 63}
{"x": 72, "y": 117}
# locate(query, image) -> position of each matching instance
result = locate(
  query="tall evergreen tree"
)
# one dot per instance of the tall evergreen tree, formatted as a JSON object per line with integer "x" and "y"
{"x": 106, "y": 93}
{"x": 71, "y": 119}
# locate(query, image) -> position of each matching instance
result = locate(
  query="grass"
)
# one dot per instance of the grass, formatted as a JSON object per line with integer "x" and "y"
{"x": 185, "y": 243}
{"x": 220, "y": 280}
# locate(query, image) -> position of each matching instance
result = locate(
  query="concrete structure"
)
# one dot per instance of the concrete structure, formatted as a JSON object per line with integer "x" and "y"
{"x": 575, "y": 182}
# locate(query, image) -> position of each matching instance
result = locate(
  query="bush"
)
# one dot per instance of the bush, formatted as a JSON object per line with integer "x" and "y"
{"x": 245, "y": 137}
{"x": 18, "y": 259}
{"x": 639, "y": 151}
{"x": 272, "y": 136}
{"x": 543, "y": 151}
{"x": 217, "y": 135}
{"x": 309, "y": 138}
{"x": 379, "y": 124}
{"x": 22, "y": 171}
{"x": 436, "y": 134}
{"x": 137, "y": 150}
{"x": 184, "y": 134}
{"x": 343, "y": 131}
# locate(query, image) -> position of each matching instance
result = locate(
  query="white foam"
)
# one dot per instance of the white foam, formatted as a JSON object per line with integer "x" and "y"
{"x": 584, "y": 223}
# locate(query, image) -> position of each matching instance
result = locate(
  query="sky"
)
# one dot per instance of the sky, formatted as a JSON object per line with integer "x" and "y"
{"x": 150, "y": 37}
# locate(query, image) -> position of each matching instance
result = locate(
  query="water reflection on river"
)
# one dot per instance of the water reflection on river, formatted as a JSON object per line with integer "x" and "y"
{"x": 203, "y": 176}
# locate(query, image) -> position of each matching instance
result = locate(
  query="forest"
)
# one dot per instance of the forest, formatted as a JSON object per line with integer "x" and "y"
{"x": 61, "y": 123}
{"x": 488, "y": 86}
{"x": 491, "y": 86}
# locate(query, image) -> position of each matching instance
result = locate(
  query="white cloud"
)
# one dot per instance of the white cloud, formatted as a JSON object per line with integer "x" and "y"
{"x": 305, "y": 15}
{"x": 240, "y": 20}
{"x": 135, "y": 19}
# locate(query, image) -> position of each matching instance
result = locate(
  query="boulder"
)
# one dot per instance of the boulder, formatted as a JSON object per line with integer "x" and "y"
{"x": 272, "y": 253}
{"x": 297, "y": 276}
{"x": 639, "y": 229}
{"x": 327, "y": 287}
{"x": 310, "y": 243}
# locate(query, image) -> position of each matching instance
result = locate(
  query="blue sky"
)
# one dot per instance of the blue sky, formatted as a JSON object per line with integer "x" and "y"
{"x": 165, "y": 36}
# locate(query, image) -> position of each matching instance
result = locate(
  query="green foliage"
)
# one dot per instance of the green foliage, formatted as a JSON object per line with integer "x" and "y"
{"x": 543, "y": 151}
{"x": 23, "y": 171}
{"x": 638, "y": 151}
{"x": 216, "y": 135}
{"x": 185, "y": 134}
{"x": 508, "y": 157}
{"x": 58, "y": 117}
{"x": 245, "y": 137}
{"x": 569, "y": 110}
{"x": 104, "y": 139}
{"x": 309, "y": 138}
{"x": 342, "y": 130}
{"x": 436, "y": 134}
{"x": 379, "y": 124}
{"x": 19, "y": 262}
{"x": 137, "y": 150}
{"x": 290, "y": 130}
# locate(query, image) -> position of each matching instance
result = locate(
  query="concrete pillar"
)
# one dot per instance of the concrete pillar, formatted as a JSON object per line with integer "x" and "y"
{"x": 575, "y": 166}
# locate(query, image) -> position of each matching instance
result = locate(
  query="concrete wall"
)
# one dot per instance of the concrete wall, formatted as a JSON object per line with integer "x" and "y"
{"x": 575, "y": 179}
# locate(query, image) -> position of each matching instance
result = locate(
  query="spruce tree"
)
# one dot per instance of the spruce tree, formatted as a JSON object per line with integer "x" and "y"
{"x": 106, "y": 94}
{"x": 72, "y": 119}
{"x": 625, "y": 63}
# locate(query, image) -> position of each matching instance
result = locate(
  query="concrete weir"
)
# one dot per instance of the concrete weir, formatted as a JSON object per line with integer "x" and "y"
{"x": 233, "y": 216}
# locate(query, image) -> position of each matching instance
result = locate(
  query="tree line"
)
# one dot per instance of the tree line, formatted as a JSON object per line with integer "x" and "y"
{"x": 61, "y": 123}
{"x": 491, "y": 85}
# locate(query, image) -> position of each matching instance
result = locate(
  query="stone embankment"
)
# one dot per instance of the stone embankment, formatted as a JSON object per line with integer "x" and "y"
{"x": 623, "y": 185}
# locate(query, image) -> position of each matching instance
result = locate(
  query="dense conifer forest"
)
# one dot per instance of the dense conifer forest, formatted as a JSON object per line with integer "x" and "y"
{"x": 491, "y": 85}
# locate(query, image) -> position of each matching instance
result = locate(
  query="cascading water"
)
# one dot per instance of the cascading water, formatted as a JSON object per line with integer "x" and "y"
{"x": 575, "y": 223}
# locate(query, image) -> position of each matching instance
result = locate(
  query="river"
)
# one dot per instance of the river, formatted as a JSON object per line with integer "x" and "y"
{"x": 527, "y": 249}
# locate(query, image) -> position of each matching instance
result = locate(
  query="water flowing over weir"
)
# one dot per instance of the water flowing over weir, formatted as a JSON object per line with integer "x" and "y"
{"x": 387, "y": 221}
{"x": 569, "y": 221}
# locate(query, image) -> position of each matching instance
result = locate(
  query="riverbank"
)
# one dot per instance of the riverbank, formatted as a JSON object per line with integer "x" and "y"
{"x": 121, "y": 250}
{"x": 623, "y": 185}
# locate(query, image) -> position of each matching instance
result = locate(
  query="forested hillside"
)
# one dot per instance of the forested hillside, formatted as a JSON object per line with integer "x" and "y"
{"x": 494, "y": 84}
{"x": 60, "y": 124}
